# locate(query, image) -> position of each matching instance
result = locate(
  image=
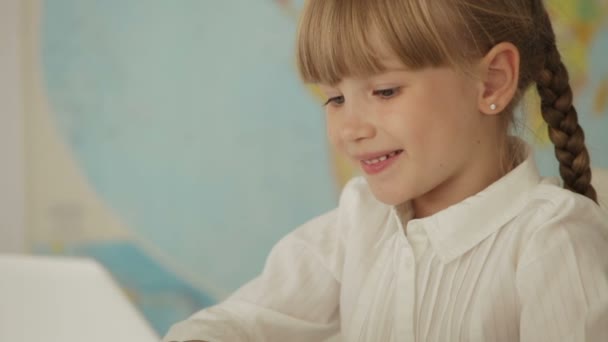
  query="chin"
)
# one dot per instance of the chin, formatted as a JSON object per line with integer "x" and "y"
{"x": 389, "y": 195}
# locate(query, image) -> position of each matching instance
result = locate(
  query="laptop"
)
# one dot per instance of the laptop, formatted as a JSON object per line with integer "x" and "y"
{"x": 55, "y": 299}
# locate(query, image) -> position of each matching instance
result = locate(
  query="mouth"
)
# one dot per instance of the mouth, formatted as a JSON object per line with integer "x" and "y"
{"x": 379, "y": 163}
{"x": 382, "y": 158}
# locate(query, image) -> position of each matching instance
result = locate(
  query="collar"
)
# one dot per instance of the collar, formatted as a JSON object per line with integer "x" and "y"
{"x": 457, "y": 229}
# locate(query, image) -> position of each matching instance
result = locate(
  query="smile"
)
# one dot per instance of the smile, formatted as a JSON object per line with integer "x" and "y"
{"x": 380, "y": 163}
{"x": 382, "y": 158}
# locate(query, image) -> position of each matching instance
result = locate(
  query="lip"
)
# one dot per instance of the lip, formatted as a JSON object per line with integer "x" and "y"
{"x": 372, "y": 169}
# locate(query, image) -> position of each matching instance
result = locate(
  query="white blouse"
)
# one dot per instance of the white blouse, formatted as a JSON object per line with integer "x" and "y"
{"x": 523, "y": 260}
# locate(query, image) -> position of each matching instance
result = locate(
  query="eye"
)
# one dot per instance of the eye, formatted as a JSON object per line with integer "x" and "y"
{"x": 386, "y": 93}
{"x": 336, "y": 100}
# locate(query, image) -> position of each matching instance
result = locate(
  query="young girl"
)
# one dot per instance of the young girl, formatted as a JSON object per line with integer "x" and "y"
{"x": 451, "y": 234}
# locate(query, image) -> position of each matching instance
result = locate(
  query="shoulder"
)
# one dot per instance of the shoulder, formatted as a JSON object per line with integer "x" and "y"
{"x": 357, "y": 196}
{"x": 357, "y": 205}
{"x": 563, "y": 265}
{"x": 553, "y": 205}
{"x": 357, "y": 211}
{"x": 326, "y": 237}
{"x": 356, "y": 192}
{"x": 557, "y": 220}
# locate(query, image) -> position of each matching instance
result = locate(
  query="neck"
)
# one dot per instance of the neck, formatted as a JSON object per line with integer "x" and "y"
{"x": 480, "y": 172}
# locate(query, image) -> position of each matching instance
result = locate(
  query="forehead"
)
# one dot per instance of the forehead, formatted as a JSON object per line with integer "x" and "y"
{"x": 388, "y": 62}
{"x": 397, "y": 74}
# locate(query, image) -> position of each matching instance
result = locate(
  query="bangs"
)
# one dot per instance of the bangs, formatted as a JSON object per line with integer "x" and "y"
{"x": 352, "y": 38}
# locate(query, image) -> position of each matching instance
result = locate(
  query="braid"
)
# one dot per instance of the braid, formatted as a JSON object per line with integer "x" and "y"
{"x": 553, "y": 86}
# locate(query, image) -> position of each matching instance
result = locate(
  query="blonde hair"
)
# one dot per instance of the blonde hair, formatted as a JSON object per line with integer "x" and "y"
{"x": 350, "y": 38}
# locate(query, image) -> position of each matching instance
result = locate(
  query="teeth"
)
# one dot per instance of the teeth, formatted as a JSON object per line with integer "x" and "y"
{"x": 380, "y": 159}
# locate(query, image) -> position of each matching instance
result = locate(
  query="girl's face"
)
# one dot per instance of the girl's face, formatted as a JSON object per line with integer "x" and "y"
{"x": 412, "y": 133}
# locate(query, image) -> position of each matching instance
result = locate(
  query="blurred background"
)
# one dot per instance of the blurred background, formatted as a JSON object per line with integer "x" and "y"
{"x": 173, "y": 142}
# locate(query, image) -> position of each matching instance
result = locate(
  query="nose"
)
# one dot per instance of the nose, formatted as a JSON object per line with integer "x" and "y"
{"x": 356, "y": 125}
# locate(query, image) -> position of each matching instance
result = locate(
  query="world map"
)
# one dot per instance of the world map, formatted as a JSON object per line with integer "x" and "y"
{"x": 173, "y": 141}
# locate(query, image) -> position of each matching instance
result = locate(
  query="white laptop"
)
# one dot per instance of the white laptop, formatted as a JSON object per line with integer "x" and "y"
{"x": 65, "y": 299}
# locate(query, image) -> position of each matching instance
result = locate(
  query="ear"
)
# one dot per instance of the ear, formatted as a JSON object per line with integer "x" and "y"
{"x": 499, "y": 78}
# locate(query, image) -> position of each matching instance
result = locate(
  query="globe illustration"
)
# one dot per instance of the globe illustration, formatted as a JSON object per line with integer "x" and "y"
{"x": 188, "y": 122}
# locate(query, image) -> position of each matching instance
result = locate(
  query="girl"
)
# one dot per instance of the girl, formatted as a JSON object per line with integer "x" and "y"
{"x": 451, "y": 234}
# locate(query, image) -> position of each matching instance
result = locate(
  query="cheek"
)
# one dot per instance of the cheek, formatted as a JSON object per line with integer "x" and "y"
{"x": 429, "y": 135}
{"x": 446, "y": 142}
{"x": 333, "y": 132}
{"x": 420, "y": 127}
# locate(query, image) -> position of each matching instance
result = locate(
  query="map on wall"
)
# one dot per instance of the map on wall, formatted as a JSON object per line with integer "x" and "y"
{"x": 173, "y": 141}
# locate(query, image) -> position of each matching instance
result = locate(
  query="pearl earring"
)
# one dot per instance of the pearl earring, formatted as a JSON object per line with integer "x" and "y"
{"x": 493, "y": 106}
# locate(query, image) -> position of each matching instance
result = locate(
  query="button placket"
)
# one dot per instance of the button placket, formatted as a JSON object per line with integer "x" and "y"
{"x": 406, "y": 292}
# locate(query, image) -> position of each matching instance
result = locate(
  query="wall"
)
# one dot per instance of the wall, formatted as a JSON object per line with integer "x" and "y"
{"x": 11, "y": 130}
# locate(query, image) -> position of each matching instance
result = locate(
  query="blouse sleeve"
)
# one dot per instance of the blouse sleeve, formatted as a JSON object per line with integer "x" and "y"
{"x": 562, "y": 278}
{"x": 294, "y": 299}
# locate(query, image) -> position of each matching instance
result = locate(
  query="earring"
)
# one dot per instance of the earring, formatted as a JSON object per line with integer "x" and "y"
{"x": 493, "y": 106}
